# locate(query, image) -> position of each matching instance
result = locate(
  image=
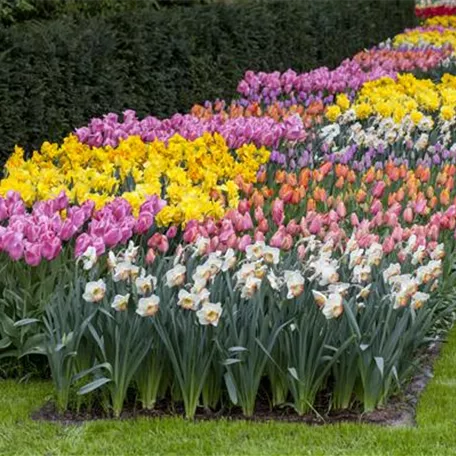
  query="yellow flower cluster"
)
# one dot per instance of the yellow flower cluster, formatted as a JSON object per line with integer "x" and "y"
{"x": 426, "y": 38}
{"x": 406, "y": 96}
{"x": 197, "y": 178}
{"x": 444, "y": 21}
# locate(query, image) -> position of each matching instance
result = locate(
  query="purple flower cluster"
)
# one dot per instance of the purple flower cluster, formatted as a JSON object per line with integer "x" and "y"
{"x": 262, "y": 131}
{"x": 115, "y": 224}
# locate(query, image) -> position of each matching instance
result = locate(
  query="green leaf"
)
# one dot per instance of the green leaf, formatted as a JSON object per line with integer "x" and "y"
{"x": 85, "y": 372}
{"x": 294, "y": 373}
{"x": 93, "y": 385}
{"x": 237, "y": 349}
{"x": 380, "y": 364}
{"x": 231, "y": 387}
{"x": 5, "y": 343}
{"x": 229, "y": 361}
{"x": 26, "y": 321}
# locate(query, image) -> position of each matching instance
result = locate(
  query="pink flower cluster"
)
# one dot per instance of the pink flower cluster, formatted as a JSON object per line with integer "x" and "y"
{"x": 41, "y": 234}
{"x": 262, "y": 131}
{"x": 115, "y": 224}
{"x": 244, "y": 226}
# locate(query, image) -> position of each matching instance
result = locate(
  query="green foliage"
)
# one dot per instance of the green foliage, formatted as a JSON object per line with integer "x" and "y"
{"x": 434, "y": 433}
{"x": 55, "y": 74}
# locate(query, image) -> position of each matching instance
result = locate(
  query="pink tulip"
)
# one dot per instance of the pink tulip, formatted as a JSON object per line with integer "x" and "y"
{"x": 354, "y": 219}
{"x": 245, "y": 241}
{"x": 378, "y": 189}
{"x": 50, "y": 249}
{"x": 376, "y": 207}
{"x": 144, "y": 223}
{"x": 278, "y": 212}
{"x": 150, "y": 256}
{"x": 32, "y": 254}
{"x": 259, "y": 236}
{"x": 388, "y": 245}
{"x": 341, "y": 210}
{"x": 408, "y": 215}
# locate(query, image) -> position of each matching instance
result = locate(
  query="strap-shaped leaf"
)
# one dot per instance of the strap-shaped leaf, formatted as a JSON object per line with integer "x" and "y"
{"x": 93, "y": 385}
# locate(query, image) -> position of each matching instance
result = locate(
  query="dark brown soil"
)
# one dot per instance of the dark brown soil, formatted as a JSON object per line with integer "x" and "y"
{"x": 400, "y": 410}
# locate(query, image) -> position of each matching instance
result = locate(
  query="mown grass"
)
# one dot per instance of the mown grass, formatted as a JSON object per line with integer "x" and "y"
{"x": 434, "y": 435}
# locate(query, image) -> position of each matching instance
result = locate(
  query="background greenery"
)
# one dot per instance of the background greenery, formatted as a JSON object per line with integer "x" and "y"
{"x": 75, "y": 62}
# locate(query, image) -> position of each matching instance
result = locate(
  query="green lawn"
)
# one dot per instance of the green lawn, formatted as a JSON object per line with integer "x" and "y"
{"x": 435, "y": 434}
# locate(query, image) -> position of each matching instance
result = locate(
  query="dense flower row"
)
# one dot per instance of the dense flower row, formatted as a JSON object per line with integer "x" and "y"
{"x": 302, "y": 234}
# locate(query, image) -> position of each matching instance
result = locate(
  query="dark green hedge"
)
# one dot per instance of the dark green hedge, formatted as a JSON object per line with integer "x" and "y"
{"x": 56, "y": 74}
{"x": 15, "y": 11}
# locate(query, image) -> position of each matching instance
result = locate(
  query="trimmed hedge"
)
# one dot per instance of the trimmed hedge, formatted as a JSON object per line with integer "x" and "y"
{"x": 56, "y": 74}
{"x": 14, "y": 11}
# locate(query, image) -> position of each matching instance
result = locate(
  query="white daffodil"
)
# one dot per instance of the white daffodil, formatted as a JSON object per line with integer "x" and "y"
{"x": 255, "y": 251}
{"x": 418, "y": 300}
{"x": 439, "y": 252}
{"x": 400, "y": 299}
{"x": 356, "y": 258}
{"x": 271, "y": 255}
{"x": 404, "y": 284}
{"x": 260, "y": 270}
{"x": 274, "y": 281}
{"x": 94, "y": 291}
{"x": 199, "y": 284}
{"x": 391, "y": 271}
{"x": 124, "y": 271}
{"x": 320, "y": 298}
{"x": 186, "y": 300}
{"x": 203, "y": 296}
{"x": 295, "y": 283}
{"x": 89, "y": 258}
{"x": 112, "y": 260}
{"x": 352, "y": 244}
{"x": 120, "y": 302}
{"x": 145, "y": 284}
{"x": 247, "y": 270}
{"x": 229, "y": 260}
{"x": 333, "y": 307}
{"x": 251, "y": 286}
{"x": 209, "y": 314}
{"x": 148, "y": 307}
{"x": 418, "y": 255}
{"x": 202, "y": 272}
{"x": 411, "y": 243}
{"x": 131, "y": 253}
{"x": 374, "y": 254}
{"x": 435, "y": 266}
{"x": 201, "y": 245}
{"x": 339, "y": 288}
{"x": 326, "y": 270}
{"x": 364, "y": 293}
{"x": 361, "y": 273}
{"x": 176, "y": 276}
{"x": 214, "y": 262}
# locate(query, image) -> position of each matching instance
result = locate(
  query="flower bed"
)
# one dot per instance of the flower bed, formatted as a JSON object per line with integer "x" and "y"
{"x": 297, "y": 240}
